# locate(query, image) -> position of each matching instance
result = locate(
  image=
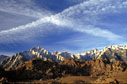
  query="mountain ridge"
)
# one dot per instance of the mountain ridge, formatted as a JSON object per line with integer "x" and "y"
{"x": 113, "y": 53}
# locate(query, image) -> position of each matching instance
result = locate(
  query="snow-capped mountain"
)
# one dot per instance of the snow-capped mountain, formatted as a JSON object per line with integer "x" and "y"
{"x": 35, "y": 52}
{"x": 113, "y": 53}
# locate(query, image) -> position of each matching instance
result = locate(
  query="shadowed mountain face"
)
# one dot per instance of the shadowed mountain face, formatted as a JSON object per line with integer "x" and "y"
{"x": 112, "y": 53}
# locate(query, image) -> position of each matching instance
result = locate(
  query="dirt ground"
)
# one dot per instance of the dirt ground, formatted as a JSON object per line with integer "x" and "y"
{"x": 63, "y": 80}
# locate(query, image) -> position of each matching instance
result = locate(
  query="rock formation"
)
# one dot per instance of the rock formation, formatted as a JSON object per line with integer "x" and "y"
{"x": 37, "y": 69}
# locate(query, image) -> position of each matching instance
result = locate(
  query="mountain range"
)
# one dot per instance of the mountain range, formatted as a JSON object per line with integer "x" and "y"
{"x": 108, "y": 65}
{"x": 113, "y": 53}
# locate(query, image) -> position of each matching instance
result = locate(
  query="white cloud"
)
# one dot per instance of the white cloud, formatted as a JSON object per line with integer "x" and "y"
{"x": 23, "y": 7}
{"x": 81, "y": 17}
{"x": 99, "y": 32}
{"x": 27, "y": 32}
{"x": 52, "y": 19}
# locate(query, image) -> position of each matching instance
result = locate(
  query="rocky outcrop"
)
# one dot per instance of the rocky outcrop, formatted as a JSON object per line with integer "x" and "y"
{"x": 31, "y": 70}
{"x": 37, "y": 69}
{"x": 12, "y": 62}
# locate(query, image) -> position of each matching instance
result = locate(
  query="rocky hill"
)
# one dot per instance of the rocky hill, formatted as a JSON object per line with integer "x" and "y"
{"x": 37, "y": 69}
{"x": 112, "y": 53}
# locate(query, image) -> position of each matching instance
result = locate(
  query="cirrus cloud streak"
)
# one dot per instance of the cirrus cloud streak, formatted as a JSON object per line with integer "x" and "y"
{"x": 81, "y": 17}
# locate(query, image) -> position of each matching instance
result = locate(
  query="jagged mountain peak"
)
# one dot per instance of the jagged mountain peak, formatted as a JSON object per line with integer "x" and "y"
{"x": 112, "y": 47}
{"x": 64, "y": 55}
{"x": 37, "y": 49}
{"x": 113, "y": 53}
{"x": 56, "y": 52}
{"x": 116, "y": 47}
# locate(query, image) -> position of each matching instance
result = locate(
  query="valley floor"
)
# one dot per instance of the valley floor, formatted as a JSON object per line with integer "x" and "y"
{"x": 115, "y": 79}
{"x": 63, "y": 80}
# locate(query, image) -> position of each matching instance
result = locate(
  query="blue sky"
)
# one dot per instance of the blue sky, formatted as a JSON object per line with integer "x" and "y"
{"x": 61, "y": 25}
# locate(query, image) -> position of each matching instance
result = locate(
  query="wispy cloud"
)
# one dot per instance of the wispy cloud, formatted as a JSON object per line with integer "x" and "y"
{"x": 96, "y": 31}
{"x": 81, "y": 17}
{"x": 23, "y": 7}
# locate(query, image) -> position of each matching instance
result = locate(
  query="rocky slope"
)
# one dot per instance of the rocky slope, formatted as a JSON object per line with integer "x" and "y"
{"x": 37, "y": 69}
{"x": 36, "y": 52}
{"x": 113, "y": 53}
